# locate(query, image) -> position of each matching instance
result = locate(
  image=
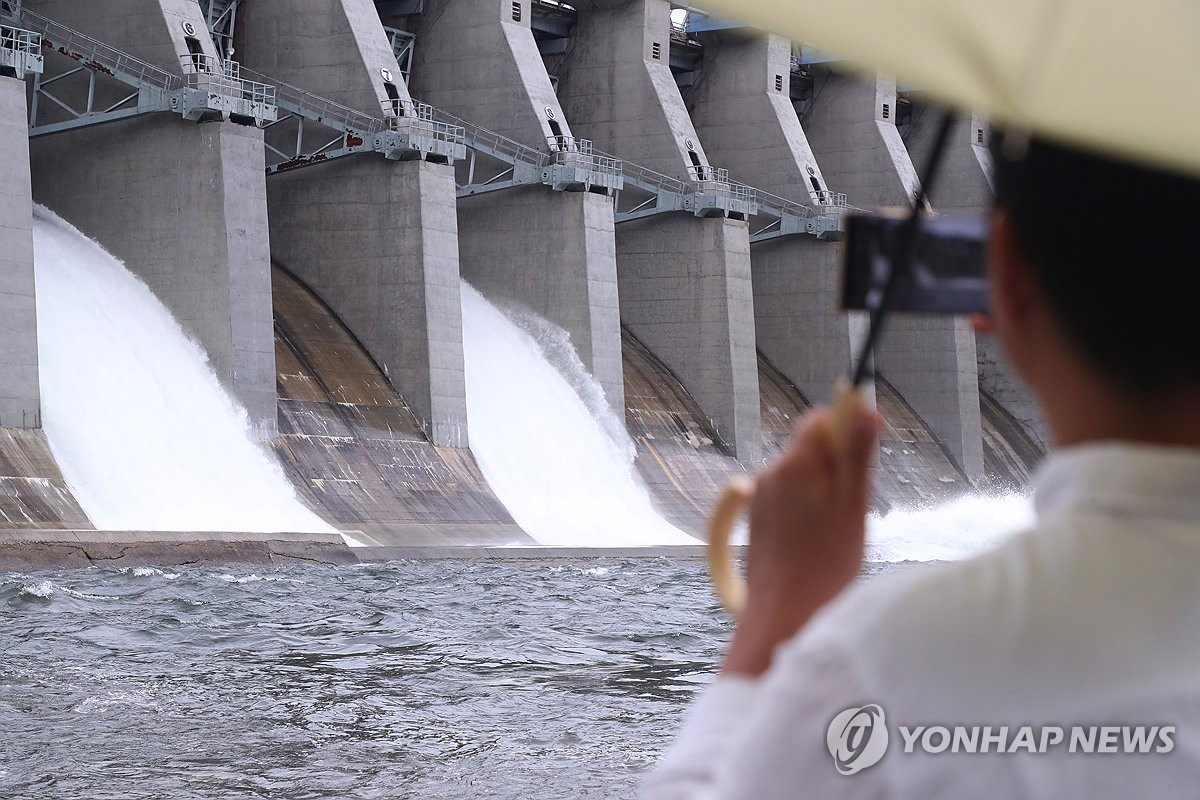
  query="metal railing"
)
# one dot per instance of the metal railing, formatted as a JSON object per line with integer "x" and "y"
{"x": 651, "y": 181}
{"x": 715, "y": 181}
{"x": 835, "y": 199}
{"x": 220, "y": 76}
{"x": 568, "y": 144}
{"x": 95, "y": 54}
{"x": 20, "y": 49}
{"x": 567, "y": 150}
{"x": 491, "y": 143}
{"x": 221, "y": 82}
{"x": 20, "y": 40}
{"x": 316, "y": 108}
{"x": 411, "y": 116}
{"x": 776, "y": 206}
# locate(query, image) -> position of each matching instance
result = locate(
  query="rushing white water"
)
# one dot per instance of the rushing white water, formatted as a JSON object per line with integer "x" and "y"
{"x": 139, "y": 425}
{"x": 949, "y": 532}
{"x": 540, "y": 433}
{"x": 956, "y": 530}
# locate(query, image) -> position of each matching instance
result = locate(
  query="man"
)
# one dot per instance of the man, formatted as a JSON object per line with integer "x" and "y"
{"x": 1081, "y": 634}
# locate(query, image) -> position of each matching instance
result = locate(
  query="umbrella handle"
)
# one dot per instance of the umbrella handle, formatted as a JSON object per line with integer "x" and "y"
{"x": 738, "y": 493}
{"x": 729, "y": 585}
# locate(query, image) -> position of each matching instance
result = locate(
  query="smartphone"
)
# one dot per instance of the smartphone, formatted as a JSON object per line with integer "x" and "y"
{"x": 947, "y": 276}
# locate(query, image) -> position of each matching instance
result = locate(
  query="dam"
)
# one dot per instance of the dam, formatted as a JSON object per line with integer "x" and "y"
{"x": 364, "y": 213}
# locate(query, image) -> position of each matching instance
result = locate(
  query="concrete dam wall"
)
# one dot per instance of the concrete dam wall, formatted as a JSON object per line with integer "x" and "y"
{"x": 703, "y": 307}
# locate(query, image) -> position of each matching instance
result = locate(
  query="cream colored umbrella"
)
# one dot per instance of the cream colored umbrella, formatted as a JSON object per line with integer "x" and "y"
{"x": 1120, "y": 78}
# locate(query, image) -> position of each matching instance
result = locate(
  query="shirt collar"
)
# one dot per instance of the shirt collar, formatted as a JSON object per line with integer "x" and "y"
{"x": 1123, "y": 478}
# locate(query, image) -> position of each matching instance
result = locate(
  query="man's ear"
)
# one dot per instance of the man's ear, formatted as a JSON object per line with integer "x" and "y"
{"x": 1012, "y": 283}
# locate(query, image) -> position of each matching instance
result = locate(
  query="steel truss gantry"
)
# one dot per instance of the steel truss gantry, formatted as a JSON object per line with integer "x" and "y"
{"x": 212, "y": 88}
{"x": 496, "y": 162}
{"x": 69, "y": 97}
{"x": 313, "y": 130}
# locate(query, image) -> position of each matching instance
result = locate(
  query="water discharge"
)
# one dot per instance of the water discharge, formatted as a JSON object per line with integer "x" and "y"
{"x": 148, "y": 440}
{"x": 540, "y": 433}
{"x": 956, "y": 530}
{"x": 139, "y": 424}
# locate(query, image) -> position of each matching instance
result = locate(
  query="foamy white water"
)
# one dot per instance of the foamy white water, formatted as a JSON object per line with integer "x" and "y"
{"x": 139, "y": 424}
{"x": 562, "y": 468}
{"x": 950, "y": 532}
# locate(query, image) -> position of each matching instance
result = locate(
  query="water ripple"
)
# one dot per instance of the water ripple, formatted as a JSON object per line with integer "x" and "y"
{"x": 410, "y": 679}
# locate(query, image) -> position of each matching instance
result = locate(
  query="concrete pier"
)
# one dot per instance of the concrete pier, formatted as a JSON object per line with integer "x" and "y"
{"x": 182, "y": 204}
{"x": 929, "y": 359}
{"x": 743, "y": 111}
{"x": 550, "y": 252}
{"x": 965, "y": 188}
{"x": 685, "y": 288}
{"x": 376, "y": 239}
{"x": 20, "y": 394}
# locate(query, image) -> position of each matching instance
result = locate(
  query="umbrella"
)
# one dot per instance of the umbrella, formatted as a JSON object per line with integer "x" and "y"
{"x": 1107, "y": 75}
{"x": 1101, "y": 75}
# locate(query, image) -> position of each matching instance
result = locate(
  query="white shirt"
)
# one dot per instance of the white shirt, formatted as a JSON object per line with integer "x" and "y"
{"x": 1091, "y": 618}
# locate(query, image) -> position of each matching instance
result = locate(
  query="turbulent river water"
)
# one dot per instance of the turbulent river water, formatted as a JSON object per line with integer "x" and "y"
{"x": 453, "y": 679}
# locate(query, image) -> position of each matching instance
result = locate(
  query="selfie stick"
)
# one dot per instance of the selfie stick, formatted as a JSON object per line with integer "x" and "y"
{"x": 847, "y": 399}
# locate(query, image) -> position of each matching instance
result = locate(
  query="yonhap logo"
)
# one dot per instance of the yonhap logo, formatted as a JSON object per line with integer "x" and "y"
{"x": 857, "y": 738}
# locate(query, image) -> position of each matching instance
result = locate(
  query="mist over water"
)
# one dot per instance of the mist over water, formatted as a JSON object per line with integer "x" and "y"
{"x": 949, "y": 532}
{"x": 141, "y": 428}
{"x": 562, "y": 466}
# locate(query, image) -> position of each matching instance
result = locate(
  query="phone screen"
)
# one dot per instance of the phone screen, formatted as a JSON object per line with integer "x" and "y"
{"x": 948, "y": 273}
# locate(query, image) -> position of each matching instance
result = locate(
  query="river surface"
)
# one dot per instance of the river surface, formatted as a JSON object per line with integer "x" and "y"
{"x": 432, "y": 679}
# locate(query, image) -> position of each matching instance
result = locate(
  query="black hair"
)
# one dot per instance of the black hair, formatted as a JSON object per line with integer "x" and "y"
{"x": 1116, "y": 247}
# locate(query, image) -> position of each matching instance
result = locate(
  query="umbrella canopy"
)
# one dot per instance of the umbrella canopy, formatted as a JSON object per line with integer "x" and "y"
{"x": 1118, "y": 76}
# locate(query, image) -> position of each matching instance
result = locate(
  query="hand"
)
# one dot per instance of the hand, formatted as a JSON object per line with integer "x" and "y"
{"x": 807, "y": 533}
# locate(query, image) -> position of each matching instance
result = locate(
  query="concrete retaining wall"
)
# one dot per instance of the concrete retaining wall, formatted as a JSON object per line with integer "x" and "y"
{"x": 749, "y": 126}
{"x": 376, "y": 239}
{"x": 551, "y": 252}
{"x": 685, "y": 286}
{"x": 930, "y": 360}
{"x": 182, "y": 204}
{"x": 20, "y": 394}
{"x": 965, "y": 188}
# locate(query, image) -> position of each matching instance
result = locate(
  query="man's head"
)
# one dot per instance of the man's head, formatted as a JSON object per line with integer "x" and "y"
{"x": 1094, "y": 270}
